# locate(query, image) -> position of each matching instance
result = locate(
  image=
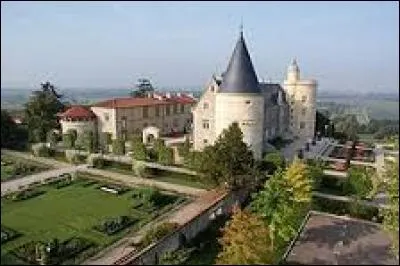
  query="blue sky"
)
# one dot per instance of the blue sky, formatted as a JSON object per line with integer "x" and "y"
{"x": 346, "y": 46}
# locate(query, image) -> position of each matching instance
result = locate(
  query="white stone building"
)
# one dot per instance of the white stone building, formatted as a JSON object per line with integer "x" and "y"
{"x": 262, "y": 110}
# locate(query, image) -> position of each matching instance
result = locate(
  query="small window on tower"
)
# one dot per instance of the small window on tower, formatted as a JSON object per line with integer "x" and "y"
{"x": 303, "y": 98}
{"x": 205, "y": 141}
{"x": 302, "y": 125}
{"x": 248, "y": 102}
{"x": 303, "y": 111}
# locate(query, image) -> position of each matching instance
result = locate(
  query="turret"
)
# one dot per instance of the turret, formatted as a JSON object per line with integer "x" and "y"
{"x": 293, "y": 72}
{"x": 240, "y": 99}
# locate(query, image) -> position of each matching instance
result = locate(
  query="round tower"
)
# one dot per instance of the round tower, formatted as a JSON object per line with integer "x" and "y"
{"x": 240, "y": 100}
{"x": 301, "y": 96}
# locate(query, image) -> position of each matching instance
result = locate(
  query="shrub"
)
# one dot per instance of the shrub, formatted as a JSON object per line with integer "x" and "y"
{"x": 114, "y": 225}
{"x": 40, "y": 150}
{"x": 138, "y": 149}
{"x": 156, "y": 233}
{"x": 165, "y": 155}
{"x": 276, "y": 159}
{"x": 358, "y": 182}
{"x": 176, "y": 257}
{"x": 139, "y": 168}
{"x": 118, "y": 146}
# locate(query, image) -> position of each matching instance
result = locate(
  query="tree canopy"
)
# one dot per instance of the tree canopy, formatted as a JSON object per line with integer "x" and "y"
{"x": 142, "y": 87}
{"x": 245, "y": 240}
{"x": 41, "y": 112}
{"x": 283, "y": 202}
{"x": 12, "y": 135}
{"x": 229, "y": 161}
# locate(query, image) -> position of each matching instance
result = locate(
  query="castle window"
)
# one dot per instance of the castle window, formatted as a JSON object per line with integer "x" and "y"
{"x": 303, "y": 98}
{"x": 106, "y": 117}
{"x": 206, "y": 124}
{"x": 182, "y": 108}
{"x": 248, "y": 102}
{"x": 205, "y": 106}
{"x": 303, "y": 111}
{"x": 302, "y": 125}
{"x": 123, "y": 122}
{"x": 205, "y": 141}
{"x": 175, "y": 108}
{"x": 212, "y": 88}
{"x": 157, "y": 110}
{"x": 167, "y": 110}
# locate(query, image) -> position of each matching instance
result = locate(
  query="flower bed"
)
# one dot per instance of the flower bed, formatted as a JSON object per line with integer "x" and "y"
{"x": 27, "y": 194}
{"x": 55, "y": 254}
{"x": 113, "y": 225}
{"x": 8, "y": 234}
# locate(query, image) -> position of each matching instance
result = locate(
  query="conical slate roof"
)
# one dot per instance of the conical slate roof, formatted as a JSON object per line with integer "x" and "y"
{"x": 240, "y": 76}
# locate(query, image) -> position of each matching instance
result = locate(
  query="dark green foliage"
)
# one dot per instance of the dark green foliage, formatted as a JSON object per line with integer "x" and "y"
{"x": 113, "y": 225}
{"x": 26, "y": 194}
{"x": 184, "y": 148}
{"x": 358, "y": 182}
{"x": 138, "y": 148}
{"x": 41, "y": 112}
{"x": 275, "y": 160}
{"x": 118, "y": 146}
{"x": 12, "y": 135}
{"x": 89, "y": 141}
{"x": 52, "y": 252}
{"x": 98, "y": 162}
{"x": 229, "y": 161}
{"x": 52, "y": 138}
{"x": 354, "y": 209}
{"x": 142, "y": 87}
{"x": 315, "y": 169}
{"x": 68, "y": 141}
{"x": 8, "y": 234}
{"x": 176, "y": 257}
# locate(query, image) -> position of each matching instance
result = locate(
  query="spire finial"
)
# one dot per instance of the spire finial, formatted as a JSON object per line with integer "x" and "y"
{"x": 241, "y": 26}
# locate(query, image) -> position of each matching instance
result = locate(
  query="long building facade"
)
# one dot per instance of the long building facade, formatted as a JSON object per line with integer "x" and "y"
{"x": 262, "y": 110}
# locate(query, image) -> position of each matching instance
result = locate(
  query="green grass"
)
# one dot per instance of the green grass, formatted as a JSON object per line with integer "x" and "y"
{"x": 67, "y": 212}
{"x": 160, "y": 175}
{"x": 7, "y": 170}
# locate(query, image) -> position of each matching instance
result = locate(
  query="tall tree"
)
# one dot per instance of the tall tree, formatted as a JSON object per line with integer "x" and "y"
{"x": 232, "y": 155}
{"x": 283, "y": 203}
{"x": 245, "y": 240}
{"x": 142, "y": 88}
{"x": 41, "y": 112}
{"x": 12, "y": 135}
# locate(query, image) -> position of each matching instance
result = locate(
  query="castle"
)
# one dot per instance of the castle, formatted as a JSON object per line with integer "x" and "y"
{"x": 262, "y": 110}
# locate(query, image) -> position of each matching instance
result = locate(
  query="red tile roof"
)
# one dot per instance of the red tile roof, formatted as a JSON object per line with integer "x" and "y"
{"x": 78, "y": 111}
{"x": 134, "y": 102}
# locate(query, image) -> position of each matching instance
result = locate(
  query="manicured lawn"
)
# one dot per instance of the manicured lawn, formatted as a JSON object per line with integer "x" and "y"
{"x": 14, "y": 167}
{"x": 71, "y": 211}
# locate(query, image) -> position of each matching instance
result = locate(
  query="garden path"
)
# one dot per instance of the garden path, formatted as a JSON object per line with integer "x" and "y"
{"x": 134, "y": 180}
{"x": 15, "y": 184}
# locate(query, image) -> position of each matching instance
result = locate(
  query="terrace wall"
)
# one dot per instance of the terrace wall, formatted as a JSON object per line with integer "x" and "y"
{"x": 187, "y": 231}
